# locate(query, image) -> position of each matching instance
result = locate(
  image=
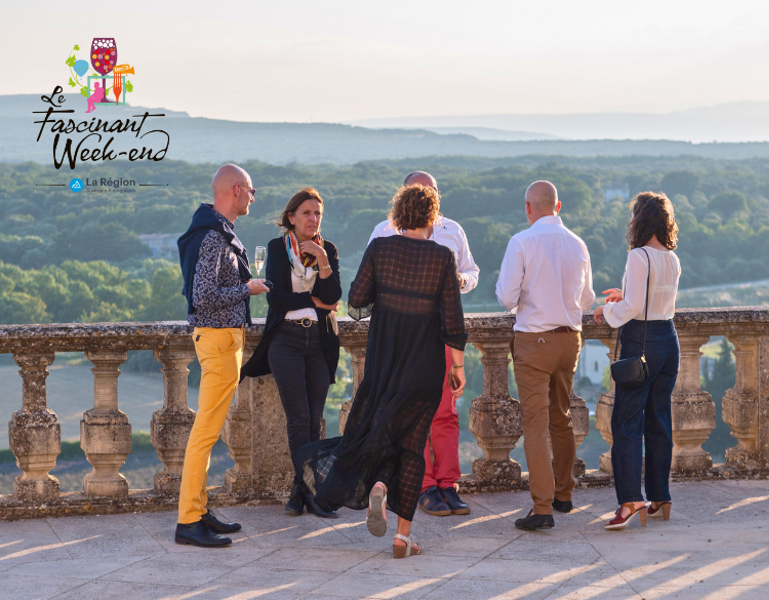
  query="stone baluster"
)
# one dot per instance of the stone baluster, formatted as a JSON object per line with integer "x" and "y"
{"x": 743, "y": 404}
{"x": 580, "y": 420}
{"x": 171, "y": 425}
{"x": 237, "y": 436}
{"x": 495, "y": 418}
{"x": 693, "y": 410}
{"x": 604, "y": 408}
{"x": 357, "y": 351}
{"x": 105, "y": 434}
{"x": 34, "y": 433}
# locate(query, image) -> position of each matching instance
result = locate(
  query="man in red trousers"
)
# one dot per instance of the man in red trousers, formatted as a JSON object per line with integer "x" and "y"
{"x": 439, "y": 496}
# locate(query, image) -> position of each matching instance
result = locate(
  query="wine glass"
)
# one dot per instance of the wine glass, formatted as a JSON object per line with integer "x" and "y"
{"x": 103, "y": 58}
{"x": 260, "y": 255}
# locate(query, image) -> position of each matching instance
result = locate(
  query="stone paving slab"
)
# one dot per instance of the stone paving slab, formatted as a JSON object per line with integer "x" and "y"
{"x": 716, "y": 547}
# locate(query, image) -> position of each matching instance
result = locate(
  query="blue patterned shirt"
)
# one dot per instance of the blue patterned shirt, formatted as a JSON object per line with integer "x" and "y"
{"x": 217, "y": 294}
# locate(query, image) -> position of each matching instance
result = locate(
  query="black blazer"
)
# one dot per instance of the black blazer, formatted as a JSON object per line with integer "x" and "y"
{"x": 282, "y": 299}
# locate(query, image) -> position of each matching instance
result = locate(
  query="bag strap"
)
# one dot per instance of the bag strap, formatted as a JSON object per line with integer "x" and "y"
{"x": 646, "y": 311}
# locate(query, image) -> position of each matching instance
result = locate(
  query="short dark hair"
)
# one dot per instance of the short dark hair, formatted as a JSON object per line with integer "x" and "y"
{"x": 415, "y": 207}
{"x": 652, "y": 215}
{"x": 296, "y": 201}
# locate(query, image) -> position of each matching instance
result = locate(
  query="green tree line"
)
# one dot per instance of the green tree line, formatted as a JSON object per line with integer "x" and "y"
{"x": 77, "y": 256}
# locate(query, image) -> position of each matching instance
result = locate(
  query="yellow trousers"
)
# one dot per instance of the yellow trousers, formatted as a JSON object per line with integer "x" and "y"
{"x": 220, "y": 353}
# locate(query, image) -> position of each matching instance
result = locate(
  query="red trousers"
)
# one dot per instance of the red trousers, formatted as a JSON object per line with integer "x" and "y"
{"x": 444, "y": 433}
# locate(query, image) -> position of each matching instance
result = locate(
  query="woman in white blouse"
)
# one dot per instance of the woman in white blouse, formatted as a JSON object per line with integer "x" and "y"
{"x": 641, "y": 414}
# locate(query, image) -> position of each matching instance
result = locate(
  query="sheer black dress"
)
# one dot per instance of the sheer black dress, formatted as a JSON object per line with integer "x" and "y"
{"x": 414, "y": 289}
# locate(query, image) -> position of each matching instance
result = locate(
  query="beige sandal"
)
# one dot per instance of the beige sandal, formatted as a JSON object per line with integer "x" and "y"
{"x": 410, "y": 549}
{"x": 376, "y": 518}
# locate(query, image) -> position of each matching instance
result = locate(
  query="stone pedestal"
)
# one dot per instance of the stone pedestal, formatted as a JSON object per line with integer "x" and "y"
{"x": 171, "y": 425}
{"x": 580, "y": 420}
{"x": 603, "y": 411}
{"x": 34, "y": 433}
{"x": 272, "y": 472}
{"x": 495, "y": 419}
{"x": 357, "y": 350}
{"x": 105, "y": 434}
{"x": 693, "y": 410}
{"x": 742, "y": 403}
{"x": 237, "y": 435}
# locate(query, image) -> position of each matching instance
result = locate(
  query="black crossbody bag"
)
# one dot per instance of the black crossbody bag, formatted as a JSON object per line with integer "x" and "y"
{"x": 633, "y": 370}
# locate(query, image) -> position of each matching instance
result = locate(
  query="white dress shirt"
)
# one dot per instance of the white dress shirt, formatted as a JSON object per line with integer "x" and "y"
{"x": 546, "y": 276}
{"x": 446, "y": 233}
{"x": 663, "y": 287}
{"x": 299, "y": 285}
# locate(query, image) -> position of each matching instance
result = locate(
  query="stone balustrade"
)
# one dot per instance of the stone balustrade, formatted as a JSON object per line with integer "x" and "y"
{"x": 255, "y": 428}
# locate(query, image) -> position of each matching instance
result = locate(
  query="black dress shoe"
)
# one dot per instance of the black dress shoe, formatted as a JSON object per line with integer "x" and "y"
{"x": 295, "y": 504}
{"x": 564, "y": 506}
{"x": 215, "y": 525}
{"x": 197, "y": 534}
{"x": 533, "y": 521}
{"x": 312, "y": 506}
{"x": 454, "y": 502}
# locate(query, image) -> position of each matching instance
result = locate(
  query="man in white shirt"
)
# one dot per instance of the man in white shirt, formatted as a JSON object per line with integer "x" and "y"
{"x": 439, "y": 496}
{"x": 546, "y": 279}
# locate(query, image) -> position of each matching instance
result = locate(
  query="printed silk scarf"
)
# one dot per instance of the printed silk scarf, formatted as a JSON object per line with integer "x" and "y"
{"x": 300, "y": 263}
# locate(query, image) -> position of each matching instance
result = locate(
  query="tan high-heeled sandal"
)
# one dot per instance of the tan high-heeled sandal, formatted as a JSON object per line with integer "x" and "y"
{"x": 376, "y": 517}
{"x": 410, "y": 549}
{"x": 656, "y": 513}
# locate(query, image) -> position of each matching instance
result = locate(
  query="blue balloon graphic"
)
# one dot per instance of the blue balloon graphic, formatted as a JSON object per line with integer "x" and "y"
{"x": 80, "y": 67}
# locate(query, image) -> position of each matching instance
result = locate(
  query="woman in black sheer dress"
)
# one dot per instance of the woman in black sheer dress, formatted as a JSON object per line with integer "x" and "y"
{"x": 411, "y": 286}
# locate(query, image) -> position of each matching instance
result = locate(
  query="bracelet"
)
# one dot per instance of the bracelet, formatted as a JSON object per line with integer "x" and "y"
{"x": 457, "y": 366}
{"x": 326, "y": 268}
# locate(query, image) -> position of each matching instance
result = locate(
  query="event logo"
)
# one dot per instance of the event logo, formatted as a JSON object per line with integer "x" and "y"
{"x": 103, "y": 61}
{"x": 106, "y": 78}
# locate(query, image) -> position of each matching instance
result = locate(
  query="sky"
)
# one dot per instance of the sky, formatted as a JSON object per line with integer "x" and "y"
{"x": 333, "y": 61}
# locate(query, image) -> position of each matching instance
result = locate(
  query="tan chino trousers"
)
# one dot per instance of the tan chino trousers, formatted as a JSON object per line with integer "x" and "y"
{"x": 545, "y": 364}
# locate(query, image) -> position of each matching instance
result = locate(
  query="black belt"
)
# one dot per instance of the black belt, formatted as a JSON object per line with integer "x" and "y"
{"x": 306, "y": 322}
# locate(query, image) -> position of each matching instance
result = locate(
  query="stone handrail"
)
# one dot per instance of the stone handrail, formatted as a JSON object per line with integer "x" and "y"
{"x": 255, "y": 427}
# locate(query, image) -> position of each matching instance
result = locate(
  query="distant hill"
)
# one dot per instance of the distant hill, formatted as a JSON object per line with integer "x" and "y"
{"x": 208, "y": 140}
{"x": 733, "y": 122}
{"x": 23, "y": 105}
{"x": 489, "y": 133}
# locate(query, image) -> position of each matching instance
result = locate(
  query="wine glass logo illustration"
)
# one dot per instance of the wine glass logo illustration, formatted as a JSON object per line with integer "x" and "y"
{"x": 103, "y": 59}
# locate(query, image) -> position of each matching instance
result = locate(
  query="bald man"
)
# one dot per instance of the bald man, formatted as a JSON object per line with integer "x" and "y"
{"x": 439, "y": 496}
{"x": 546, "y": 279}
{"x": 218, "y": 286}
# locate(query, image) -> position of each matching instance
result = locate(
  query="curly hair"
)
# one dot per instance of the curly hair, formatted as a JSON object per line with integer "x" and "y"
{"x": 296, "y": 201}
{"x": 415, "y": 207}
{"x": 652, "y": 214}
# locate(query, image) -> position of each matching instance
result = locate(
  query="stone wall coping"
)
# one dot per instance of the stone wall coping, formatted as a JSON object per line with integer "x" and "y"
{"x": 69, "y": 337}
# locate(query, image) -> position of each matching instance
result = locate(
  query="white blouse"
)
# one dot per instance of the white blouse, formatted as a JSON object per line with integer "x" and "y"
{"x": 663, "y": 287}
{"x": 299, "y": 285}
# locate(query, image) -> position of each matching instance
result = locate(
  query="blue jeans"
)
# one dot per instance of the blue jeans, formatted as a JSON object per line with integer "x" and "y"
{"x": 641, "y": 414}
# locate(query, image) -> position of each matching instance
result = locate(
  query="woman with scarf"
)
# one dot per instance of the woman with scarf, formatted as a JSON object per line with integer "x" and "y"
{"x": 299, "y": 345}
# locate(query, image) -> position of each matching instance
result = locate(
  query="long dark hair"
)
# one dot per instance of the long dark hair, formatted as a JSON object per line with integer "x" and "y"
{"x": 293, "y": 204}
{"x": 652, "y": 215}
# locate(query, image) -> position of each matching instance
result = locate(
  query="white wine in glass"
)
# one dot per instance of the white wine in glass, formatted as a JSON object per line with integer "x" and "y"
{"x": 260, "y": 255}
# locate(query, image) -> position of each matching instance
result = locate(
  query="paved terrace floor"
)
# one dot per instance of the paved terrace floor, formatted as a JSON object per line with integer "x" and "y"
{"x": 715, "y": 547}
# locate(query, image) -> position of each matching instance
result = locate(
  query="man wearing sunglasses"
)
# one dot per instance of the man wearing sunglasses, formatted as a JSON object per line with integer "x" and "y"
{"x": 218, "y": 287}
